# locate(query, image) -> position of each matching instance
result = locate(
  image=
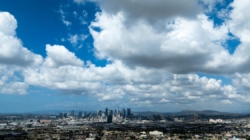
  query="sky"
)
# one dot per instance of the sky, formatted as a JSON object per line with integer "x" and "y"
{"x": 146, "y": 55}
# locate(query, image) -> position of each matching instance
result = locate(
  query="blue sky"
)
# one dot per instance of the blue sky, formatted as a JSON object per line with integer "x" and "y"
{"x": 41, "y": 22}
{"x": 92, "y": 54}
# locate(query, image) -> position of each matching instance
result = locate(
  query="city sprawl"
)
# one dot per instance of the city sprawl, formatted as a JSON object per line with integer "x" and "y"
{"x": 125, "y": 124}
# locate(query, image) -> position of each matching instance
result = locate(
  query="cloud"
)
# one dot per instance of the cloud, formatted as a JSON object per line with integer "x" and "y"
{"x": 210, "y": 5}
{"x": 14, "y": 88}
{"x": 13, "y": 57}
{"x": 239, "y": 20}
{"x": 182, "y": 89}
{"x": 60, "y": 56}
{"x": 10, "y": 83}
{"x": 62, "y": 70}
{"x": 186, "y": 44}
{"x": 147, "y": 66}
{"x": 151, "y": 11}
{"x": 183, "y": 46}
{"x": 77, "y": 40}
{"x": 80, "y": 1}
{"x": 242, "y": 82}
{"x": 140, "y": 86}
{"x": 63, "y": 17}
{"x": 8, "y": 24}
{"x": 12, "y": 52}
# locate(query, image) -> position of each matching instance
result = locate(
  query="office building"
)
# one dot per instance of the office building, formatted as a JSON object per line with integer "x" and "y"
{"x": 60, "y": 115}
{"x": 65, "y": 115}
{"x": 100, "y": 113}
{"x": 72, "y": 113}
{"x": 196, "y": 117}
{"x": 80, "y": 114}
{"x": 116, "y": 113}
{"x": 109, "y": 118}
{"x": 106, "y": 111}
{"x": 69, "y": 114}
{"x": 128, "y": 112}
{"x": 124, "y": 113}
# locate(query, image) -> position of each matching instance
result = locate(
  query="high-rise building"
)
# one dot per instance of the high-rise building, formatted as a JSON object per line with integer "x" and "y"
{"x": 72, "y": 113}
{"x": 111, "y": 112}
{"x": 69, "y": 113}
{"x": 115, "y": 113}
{"x": 100, "y": 113}
{"x": 80, "y": 114}
{"x": 60, "y": 115}
{"x": 128, "y": 112}
{"x": 106, "y": 111}
{"x": 65, "y": 115}
{"x": 120, "y": 113}
{"x": 109, "y": 118}
{"x": 124, "y": 113}
{"x": 196, "y": 117}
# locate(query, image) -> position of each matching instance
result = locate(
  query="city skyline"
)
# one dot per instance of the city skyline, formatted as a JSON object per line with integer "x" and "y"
{"x": 163, "y": 56}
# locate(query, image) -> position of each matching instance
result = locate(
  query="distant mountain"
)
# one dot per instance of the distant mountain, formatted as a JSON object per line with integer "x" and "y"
{"x": 187, "y": 112}
{"x": 203, "y": 112}
{"x": 56, "y": 112}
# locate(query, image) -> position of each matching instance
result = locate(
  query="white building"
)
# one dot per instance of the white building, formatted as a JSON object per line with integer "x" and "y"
{"x": 216, "y": 121}
{"x": 156, "y": 133}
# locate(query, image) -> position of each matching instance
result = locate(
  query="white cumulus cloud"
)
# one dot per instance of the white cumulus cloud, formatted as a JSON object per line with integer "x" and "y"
{"x": 148, "y": 66}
